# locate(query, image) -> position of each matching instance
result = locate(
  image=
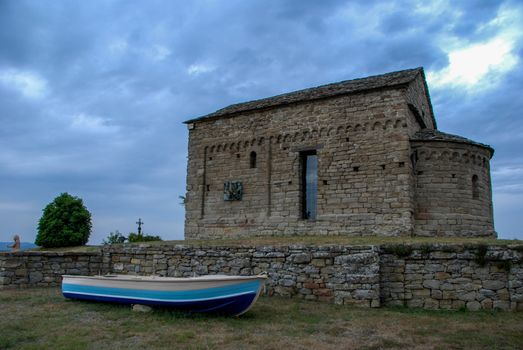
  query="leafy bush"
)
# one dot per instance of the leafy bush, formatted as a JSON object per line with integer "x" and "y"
{"x": 400, "y": 250}
{"x": 481, "y": 255}
{"x": 65, "y": 222}
{"x": 114, "y": 238}
{"x": 139, "y": 237}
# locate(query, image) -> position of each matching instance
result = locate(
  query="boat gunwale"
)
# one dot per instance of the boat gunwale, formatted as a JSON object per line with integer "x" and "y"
{"x": 162, "y": 279}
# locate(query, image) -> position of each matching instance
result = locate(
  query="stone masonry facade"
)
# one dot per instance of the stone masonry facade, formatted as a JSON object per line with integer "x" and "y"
{"x": 431, "y": 276}
{"x": 36, "y": 269}
{"x": 382, "y": 166}
{"x": 446, "y": 276}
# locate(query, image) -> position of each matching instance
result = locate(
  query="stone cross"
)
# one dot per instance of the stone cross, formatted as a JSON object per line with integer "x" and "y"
{"x": 140, "y": 223}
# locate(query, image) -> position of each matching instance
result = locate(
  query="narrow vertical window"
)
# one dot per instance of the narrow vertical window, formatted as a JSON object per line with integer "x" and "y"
{"x": 309, "y": 188}
{"x": 475, "y": 187}
{"x": 252, "y": 160}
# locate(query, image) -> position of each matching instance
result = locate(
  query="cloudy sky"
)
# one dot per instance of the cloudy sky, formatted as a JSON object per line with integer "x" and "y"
{"x": 93, "y": 93}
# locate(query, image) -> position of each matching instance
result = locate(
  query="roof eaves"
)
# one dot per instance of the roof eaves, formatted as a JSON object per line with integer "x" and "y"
{"x": 438, "y": 136}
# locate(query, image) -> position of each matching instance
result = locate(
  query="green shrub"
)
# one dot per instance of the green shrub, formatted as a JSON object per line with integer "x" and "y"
{"x": 400, "y": 250}
{"x": 66, "y": 222}
{"x": 114, "y": 238}
{"x": 505, "y": 265}
{"x": 481, "y": 255}
{"x": 426, "y": 249}
{"x": 139, "y": 237}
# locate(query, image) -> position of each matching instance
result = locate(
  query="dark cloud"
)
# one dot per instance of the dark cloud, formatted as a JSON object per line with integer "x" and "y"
{"x": 93, "y": 93}
{"x": 474, "y": 14}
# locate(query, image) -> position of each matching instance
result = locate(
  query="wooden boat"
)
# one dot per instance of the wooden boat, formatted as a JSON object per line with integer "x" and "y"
{"x": 229, "y": 295}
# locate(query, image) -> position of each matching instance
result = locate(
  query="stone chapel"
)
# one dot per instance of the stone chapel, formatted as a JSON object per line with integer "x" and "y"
{"x": 360, "y": 157}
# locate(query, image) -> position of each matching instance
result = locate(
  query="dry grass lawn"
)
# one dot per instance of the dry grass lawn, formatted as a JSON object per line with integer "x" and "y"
{"x": 307, "y": 240}
{"x": 43, "y": 319}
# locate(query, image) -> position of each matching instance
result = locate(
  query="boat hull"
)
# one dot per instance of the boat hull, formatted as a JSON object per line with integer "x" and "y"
{"x": 228, "y": 295}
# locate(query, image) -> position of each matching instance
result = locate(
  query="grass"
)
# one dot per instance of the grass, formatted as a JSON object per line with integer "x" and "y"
{"x": 344, "y": 240}
{"x": 43, "y": 319}
{"x": 311, "y": 240}
{"x": 81, "y": 249}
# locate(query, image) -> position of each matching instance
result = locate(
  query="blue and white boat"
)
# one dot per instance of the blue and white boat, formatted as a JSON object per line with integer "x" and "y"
{"x": 229, "y": 295}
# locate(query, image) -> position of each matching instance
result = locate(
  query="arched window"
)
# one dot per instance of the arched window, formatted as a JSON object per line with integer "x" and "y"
{"x": 475, "y": 187}
{"x": 252, "y": 160}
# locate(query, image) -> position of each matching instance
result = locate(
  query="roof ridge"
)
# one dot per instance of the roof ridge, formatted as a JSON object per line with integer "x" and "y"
{"x": 330, "y": 84}
{"x": 321, "y": 91}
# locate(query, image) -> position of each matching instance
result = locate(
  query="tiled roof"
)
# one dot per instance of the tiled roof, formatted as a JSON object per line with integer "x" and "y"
{"x": 436, "y": 135}
{"x": 324, "y": 91}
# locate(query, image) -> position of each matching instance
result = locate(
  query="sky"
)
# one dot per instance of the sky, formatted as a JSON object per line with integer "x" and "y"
{"x": 93, "y": 93}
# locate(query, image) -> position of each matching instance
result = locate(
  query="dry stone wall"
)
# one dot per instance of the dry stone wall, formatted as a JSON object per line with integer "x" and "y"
{"x": 452, "y": 277}
{"x": 431, "y": 276}
{"x": 44, "y": 269}
{"x": 339, "y": 274}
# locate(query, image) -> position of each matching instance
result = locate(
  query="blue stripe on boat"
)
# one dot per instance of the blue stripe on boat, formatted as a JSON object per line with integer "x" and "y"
{"x": 228, "y": 306}
{"x": 248, "y": 287}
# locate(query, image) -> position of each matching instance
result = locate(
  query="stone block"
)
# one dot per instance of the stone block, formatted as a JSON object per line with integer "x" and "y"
{"x": 494, "y": 284}
{"x": 20, "y": 272}
{"x": 319, "y": 262}
{"x": 285, "y": 291}
{"x": 363, "y": 294}
{"x": 35, "y": 277}
{"x": 300, "y": 258}
{"x": 468, "y": 296}
{"x": 442, "y": 255}
{"x": 304, "y": 291}
{"x": 287, "y": 283}
{"x": 323, "y": 292}
{"x": 431, "y": 304}
{"x": 142, "y": 308}
{"x": 501, "y": 305}
{"x": 436, "y": 294}
{"x": 503, "y": 294}
{"x": 486, "y": 304}
{"x": 442, "y": 275}
{"x": 487, "y": 293}
{"x": 458, "y": 304}
{"x": 433, "y": 284}
{"x": 424, "y": 293}
{"x": 473, "y": 305}
{"x": 447, "y": 286}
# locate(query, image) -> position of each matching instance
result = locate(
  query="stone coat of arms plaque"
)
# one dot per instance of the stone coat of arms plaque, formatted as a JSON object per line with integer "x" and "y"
{"x": 232, "y": 191}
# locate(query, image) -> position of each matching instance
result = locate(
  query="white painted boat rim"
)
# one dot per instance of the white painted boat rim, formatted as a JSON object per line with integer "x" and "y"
{"x": 136, "y": 278}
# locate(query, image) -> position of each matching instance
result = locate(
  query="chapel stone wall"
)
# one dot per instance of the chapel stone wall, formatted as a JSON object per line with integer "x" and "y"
{"x": 416, "y": 95}
{"x": 364, "y": 171}
{"x": 453, "y": 190}
{"x": 383, "y": 168}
